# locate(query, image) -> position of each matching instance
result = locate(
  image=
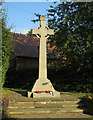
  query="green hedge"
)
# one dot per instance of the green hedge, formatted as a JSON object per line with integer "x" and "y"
{"x": 7, "y": 46}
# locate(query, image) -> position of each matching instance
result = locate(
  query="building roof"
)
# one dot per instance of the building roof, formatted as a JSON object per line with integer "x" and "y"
{"x": 28, "y": 46}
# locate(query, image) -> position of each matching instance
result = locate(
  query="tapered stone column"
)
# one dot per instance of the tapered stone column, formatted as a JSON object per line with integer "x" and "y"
{"x": 43, "y": 84}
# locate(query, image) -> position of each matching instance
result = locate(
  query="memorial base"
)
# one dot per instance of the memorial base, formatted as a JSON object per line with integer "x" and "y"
{"x": 43, "y": 86}
{"x": 44, "y": 95}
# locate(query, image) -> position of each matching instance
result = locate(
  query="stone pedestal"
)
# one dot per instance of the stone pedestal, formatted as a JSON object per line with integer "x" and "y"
{"x": 46, "y": 95}
{"x": 43, "y": 85}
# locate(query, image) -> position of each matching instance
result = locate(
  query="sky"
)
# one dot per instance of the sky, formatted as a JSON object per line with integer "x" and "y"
{"x": 20, "y": 14}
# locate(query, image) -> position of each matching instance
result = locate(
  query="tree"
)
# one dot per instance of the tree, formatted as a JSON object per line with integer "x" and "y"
{"x": 73, "y": 29}
{"x": 7, "y": 46}
{"x": 30, "y": 33}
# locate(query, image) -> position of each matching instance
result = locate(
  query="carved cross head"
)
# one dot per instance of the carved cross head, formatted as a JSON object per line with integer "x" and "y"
{"x": 43, "y": 30}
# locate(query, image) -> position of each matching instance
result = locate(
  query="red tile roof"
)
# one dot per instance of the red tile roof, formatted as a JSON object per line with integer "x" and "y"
{"x": 27, "y": 46}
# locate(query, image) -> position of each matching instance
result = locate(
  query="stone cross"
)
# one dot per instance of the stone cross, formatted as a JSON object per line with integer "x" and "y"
{"x": 44, "y": 33}
{"x": 43, "y": 84}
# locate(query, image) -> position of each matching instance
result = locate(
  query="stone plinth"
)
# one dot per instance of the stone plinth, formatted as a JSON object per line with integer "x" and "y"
{"x": 46, "y": 95}
{"x": 43, "y": 85}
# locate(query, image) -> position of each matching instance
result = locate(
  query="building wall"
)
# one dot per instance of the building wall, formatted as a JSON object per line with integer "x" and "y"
{"x": 26, "y": 63}
{"x": 29, "y": 63}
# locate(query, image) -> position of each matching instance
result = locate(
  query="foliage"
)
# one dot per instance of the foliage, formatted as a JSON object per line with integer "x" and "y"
{"x": 4, "y": 103}
{"x": 88, "y": 98}
{"x": 73, "y": 30}
{"x": 0, "y": 49}
{"x": 23, "y": 78}
{"x": 30, "y": 33}
{"x": 7, "y": 46}
{"x": 63, "y": 80}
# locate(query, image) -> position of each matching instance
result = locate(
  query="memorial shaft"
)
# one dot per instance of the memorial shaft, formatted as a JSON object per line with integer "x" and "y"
{"x": 42, "y": 58}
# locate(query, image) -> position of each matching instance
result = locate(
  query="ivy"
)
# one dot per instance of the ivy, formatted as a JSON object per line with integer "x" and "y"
{"x": 7, "y": 46}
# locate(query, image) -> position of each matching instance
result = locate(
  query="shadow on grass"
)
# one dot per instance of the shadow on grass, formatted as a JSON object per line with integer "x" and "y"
{"x": 20, "y": 91}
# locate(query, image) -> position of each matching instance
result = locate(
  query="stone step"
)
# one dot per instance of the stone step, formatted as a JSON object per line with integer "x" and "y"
{"x": 43, "y": 105}
{"x": 55, "y": 105}
{"x": 43, "y": 111}
{"x": 55, "y": 102}
{"x": 21, "y": 103}
{"x": 59, "y": 104}
{"x": 62, "y": 115}
{"x": 44, "y": 102}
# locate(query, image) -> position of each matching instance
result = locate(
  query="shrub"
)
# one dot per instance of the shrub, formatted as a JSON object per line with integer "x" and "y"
{"x": 88, "y": 98}
{"x": 4, "y": 103}
{"x": 7, "y": 46}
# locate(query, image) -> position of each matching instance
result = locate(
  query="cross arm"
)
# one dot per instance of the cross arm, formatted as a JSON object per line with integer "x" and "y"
{"x": 36, "y": 30}
{"x": 50, "y": 31}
